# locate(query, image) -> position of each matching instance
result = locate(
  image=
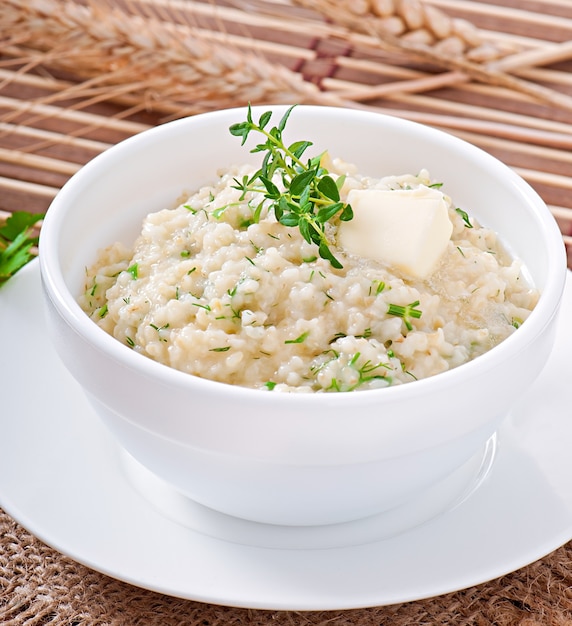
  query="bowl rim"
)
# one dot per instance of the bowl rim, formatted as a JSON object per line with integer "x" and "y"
{"x": 63, "y": 300}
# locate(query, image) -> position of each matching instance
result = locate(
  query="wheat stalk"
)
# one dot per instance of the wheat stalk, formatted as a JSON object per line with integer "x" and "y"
{"x": 158, "y": 64}
{"x": 146, "y": 61}
{"x": 414, "y": 21}
{"x": 423, "y": 32}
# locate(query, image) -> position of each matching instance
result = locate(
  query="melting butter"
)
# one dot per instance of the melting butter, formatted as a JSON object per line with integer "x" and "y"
{"x": 408, "y": 229}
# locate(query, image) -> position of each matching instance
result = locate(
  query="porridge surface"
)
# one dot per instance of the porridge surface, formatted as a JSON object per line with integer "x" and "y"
{"x": 207, "y": 291}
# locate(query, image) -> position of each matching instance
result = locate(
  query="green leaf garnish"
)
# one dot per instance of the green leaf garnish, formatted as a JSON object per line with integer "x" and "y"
{"x": 134, "y": 270}
{"x": 465, "y": 217}
{"x": 16, "y": 243}
{"x": 406, "y": 312}
{"x": 311, "y": 197}
{"x": 299, "y": 339}
{"x": 368, "y": 371}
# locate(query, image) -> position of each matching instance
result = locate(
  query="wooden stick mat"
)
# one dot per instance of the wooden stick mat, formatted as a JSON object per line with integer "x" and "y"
{"x": 495, "y": 75}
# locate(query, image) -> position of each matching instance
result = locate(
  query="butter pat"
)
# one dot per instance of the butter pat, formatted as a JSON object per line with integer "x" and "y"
{"x": 405, "y": 228}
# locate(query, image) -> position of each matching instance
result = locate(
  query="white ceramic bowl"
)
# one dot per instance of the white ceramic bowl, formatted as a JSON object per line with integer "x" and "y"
{"x": 296, "y": 459}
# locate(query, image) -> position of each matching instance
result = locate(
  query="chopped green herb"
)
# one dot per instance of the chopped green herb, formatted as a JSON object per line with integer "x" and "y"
{"x": 223, "y": 349}
{"x": 365, "y": 335}
{"x": 103, "y": 311}
{"x": 164, "y": 327}
{"x": 366, "y": 370}
{"x": 465, "y": 217}
{"x": 216, "y": 213}
{"x": 379, "y": 286}
{"x": 157, "y": 327}
{"x": 134, "y": 270}
{"x": 406, "y": 371}
{"x": 337, "y": 336}
{"x": 130, "y": 342}
{"x": 311, "y": 196}
{"x": 406, "y": 312}
{"x": 258, "y": 249}
{"x": 185, "y": 253}
{"x": 335, "y": 385}
{"x": 299, "y": 339}
{"x": 270, "y": 385}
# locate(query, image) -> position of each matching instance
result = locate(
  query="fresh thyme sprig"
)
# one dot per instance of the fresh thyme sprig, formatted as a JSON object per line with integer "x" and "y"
{"x": 311, "y": 197}
{"x": 16, "y": 243}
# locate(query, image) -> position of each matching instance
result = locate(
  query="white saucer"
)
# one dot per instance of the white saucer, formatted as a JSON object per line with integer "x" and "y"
{"x": 64, "y": 479}
{"x": 443, "y": 496}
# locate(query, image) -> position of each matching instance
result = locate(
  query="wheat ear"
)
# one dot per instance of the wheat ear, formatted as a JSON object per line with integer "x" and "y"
{"x": 423, "y": 32}
{"x": 156, "y": 62}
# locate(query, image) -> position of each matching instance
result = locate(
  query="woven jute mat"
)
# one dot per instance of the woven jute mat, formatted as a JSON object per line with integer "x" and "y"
{"x": 41, "y": 587}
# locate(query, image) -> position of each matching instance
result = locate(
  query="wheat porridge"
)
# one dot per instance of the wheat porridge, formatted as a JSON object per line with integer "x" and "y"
{"x": 210, "y": 291}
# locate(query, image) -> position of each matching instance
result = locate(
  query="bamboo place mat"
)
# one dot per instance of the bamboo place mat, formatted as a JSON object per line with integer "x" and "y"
{"x": 77, "y": 77}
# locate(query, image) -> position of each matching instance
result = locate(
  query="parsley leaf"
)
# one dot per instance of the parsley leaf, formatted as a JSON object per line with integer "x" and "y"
{"x": 16, "y": 243}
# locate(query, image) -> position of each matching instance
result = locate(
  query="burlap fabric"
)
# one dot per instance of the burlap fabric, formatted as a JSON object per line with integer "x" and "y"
{"x": 40, "y": 587}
